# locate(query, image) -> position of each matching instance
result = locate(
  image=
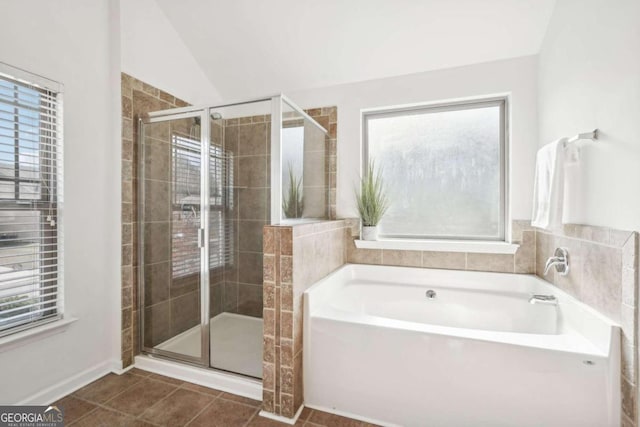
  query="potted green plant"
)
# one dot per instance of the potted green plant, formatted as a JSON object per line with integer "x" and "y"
{"x": 293, "y": 201}
{"x": 372, "y": 201}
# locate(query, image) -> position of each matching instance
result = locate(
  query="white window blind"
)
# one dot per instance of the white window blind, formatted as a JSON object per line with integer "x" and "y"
{"x": 186, "y": 161}
{"x": 30, "y": 198}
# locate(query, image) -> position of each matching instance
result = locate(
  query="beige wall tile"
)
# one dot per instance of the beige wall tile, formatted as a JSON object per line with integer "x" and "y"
{"x": 602, "y": 279}
{"x": 402, "y": 258}
{"x": 629, "y": 361}
{"x": 445, "y": 260}
{"x": 544, "y": 250}
{"x": 501, "y": 263}
{"x": 630, "y": 252}
{"x": 572, "y": 282}
{"x": 525, "y": 257}
{"x": 363, "y": 256}
{"x": 629, "y": 287}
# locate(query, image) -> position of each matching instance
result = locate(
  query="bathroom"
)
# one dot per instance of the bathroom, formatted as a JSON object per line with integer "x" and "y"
{"x": 418, "y": 213}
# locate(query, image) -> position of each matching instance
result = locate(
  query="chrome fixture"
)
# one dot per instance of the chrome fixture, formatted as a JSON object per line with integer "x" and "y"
{"x": 543, "y": 299}
{"x": 431, "y": 294}
{"x": 593, "y": 135}
{"x": 560, "y": 260}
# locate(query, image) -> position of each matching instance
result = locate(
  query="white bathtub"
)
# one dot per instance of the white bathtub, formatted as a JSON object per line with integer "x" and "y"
{"x": 478, "y": 354}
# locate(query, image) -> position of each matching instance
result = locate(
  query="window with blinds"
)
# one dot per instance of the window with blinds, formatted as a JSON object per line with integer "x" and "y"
{"x": 30, "y": 197}
{"x": 186, "y": 160}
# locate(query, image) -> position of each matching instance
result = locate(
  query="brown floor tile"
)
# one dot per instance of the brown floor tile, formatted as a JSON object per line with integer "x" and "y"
{"x": 201, "y": 389}
{"x": 106, "y": 387}
{"x": 103, "y": 417}
{"x": 241, "y": 399}
{"x": 224, "y": 413}
{"x": 259, "y": 421}
{"x": 169, "y": 380}
{"x": 139, "y": 372}
{"x": 177, "y": 409}
{"x": 141, "y": 396}
{"x": 306, "y": 412}
{"x": 74, "y": 408}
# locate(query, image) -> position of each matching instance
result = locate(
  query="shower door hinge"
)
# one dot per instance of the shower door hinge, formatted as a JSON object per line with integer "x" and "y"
{"x": 201, "y": 237}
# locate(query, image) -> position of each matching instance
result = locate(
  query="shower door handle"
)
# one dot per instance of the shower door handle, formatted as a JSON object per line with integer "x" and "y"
{"x": 201, "y": 238}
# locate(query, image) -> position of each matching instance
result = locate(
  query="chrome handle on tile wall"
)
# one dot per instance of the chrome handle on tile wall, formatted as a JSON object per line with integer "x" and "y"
{"x": 559, "y": 260}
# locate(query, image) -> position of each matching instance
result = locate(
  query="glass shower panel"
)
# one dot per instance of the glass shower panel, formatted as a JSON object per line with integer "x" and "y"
{"x": 170, "y": 221}
{"x": 239, "y": 206}
{"x": 305, "y": 166}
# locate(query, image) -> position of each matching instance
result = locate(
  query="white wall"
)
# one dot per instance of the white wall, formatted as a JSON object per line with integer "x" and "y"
{"x": 69, "y": 41}
{"x": 590, "y": 78}
{"x": 514, "y": 76}
{"x": 153, "y": 52}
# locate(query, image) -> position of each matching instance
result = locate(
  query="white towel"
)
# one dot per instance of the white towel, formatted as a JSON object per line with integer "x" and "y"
{"x": 572, "y": 205}
{"x": 548, "y": 186}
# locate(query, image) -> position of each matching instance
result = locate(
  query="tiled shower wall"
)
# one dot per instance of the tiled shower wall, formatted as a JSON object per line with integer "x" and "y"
{"x": 138, "y": 98}
{"x": 248, "y": 140}
{"x": 295, "y": 257}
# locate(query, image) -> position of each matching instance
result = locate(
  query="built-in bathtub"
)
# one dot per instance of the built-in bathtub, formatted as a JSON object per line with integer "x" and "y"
{"x": 377, "y": 348}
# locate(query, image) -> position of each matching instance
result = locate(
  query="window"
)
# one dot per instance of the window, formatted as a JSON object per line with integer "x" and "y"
{"x": 30, "y": 196}
{"x": 185, "y": 166}
{"x": 444, "y": 169}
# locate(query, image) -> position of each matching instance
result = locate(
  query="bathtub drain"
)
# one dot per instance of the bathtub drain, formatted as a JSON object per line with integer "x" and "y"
{"x": 431, "y": 294}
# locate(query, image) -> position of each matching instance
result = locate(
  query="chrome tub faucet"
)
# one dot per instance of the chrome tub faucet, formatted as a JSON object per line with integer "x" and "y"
{"x": 559, "y": 260}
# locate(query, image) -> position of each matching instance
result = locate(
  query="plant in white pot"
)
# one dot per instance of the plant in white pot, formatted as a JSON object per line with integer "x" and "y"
{"x": 372, "y": 202}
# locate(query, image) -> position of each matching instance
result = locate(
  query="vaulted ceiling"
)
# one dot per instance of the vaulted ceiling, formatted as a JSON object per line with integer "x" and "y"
{"x": 257, "y": 47}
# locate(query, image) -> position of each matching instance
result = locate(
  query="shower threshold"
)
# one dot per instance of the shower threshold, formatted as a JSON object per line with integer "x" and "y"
{"x": 236, "y": 343}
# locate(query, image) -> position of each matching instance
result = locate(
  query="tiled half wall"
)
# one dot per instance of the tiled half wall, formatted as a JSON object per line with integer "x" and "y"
{"x": 295, "y": 257}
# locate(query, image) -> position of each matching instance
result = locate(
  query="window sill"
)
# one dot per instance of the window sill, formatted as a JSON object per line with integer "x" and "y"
{"x": 27, "y": 336}
{"x": 471, "y": 246}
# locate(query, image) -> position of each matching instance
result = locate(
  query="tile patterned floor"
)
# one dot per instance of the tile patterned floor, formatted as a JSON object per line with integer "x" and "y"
{"x": 139, "y": 398}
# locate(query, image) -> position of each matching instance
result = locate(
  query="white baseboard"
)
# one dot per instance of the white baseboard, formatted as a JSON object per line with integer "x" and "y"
{"x": 69, "y": 385}
{"x": 290, "y": 421}
{"x": 352, "y": 416}
{"x": 230, "y": 383}
{"x": 118, "y": 369}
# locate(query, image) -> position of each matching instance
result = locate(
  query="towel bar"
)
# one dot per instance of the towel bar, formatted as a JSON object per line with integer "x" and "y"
{"x": 593, "y": 135}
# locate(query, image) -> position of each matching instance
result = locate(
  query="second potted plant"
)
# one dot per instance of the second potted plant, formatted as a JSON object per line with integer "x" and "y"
{"x": 372, "y": 202}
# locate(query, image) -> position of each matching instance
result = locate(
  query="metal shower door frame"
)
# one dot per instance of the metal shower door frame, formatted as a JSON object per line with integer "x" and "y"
{"x": 203, "y": 235}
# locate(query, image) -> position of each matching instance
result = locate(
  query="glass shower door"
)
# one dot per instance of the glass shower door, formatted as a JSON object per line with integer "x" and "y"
{"x": 172, "y": 234}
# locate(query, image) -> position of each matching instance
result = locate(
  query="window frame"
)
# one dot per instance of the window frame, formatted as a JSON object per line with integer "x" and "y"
{"x": 51, "y": 191}
{"x": 501, "y": 101}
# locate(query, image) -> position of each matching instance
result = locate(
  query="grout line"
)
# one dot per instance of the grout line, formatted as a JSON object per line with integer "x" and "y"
{"x": 252, "y": 417}
{"x": 203, "y": 409}
{"x": 139, "y": 417}
{"x": 105, "y": 407}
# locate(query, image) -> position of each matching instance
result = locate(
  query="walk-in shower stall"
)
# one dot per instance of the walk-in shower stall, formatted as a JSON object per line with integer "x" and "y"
{"x": 209, "y": 179}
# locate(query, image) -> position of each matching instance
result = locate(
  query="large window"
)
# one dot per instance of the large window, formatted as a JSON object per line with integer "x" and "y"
{"x": 444, "y": 169}
{"x": 30, "y": 190}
